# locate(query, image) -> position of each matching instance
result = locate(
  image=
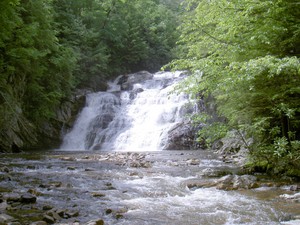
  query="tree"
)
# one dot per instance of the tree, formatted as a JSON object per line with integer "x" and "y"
{"x": 36, "y": 72}
{"x": 248, "y": 54}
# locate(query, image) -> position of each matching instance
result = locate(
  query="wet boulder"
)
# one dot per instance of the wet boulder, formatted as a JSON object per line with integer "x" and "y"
{"x": 291, "y": 197}
{"x": 5, "y": 219}
{"x": 235, "y": 182}
{"x": 127, "y": 81}
{"x": 134, "y": 93}
{"x": 181, "y": 137}
{"x": 95, "y": 222}
{"x": 28, "y": 198}
{"x": 12, "y": 197}
{"x": 39, "y": 223}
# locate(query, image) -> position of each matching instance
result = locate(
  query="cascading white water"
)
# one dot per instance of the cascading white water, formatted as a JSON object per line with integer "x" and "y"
{"x": 135, "y": 120}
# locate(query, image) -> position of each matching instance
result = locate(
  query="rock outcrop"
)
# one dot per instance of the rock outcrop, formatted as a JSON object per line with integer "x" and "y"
{"x": 181, "y": 137}
{"x": 50, "y": 132}
{"x": 127, "y": 81}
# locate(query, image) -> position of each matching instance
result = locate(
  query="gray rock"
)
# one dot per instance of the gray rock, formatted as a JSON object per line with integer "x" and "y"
{"x": 95, "y": 222}
{"x": 235, "y": 182}
{"x": 5, "y": 169}
{"x": 98, "y": 194}
{"x": 291, "y": 197}
{"x": 127, "y": 81}
{"x": 28, "y": 198}
{"x": 180, "y": 137}
{"x": 4, "y": 219}
{"x": 48, "y": 219}
{"x": 12, "y": 197}
{"x": 39, "y": 223}
{"x": 54, "y": 215}
{"x": 72, "y": 213}
{"x": 198, "y": 183}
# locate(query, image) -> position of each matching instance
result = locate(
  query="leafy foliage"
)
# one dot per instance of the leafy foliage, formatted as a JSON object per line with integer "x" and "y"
{"x": 49, "y": 47}
{"x": 248, "y": 54}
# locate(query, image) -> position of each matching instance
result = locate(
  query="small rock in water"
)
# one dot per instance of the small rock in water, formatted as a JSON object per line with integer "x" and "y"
{"x": 67, "y": 158}
{"x": 39, "y": 223}
{"x": 108, "y": 211}
{"x": 293, "y": 197}
{"x": 4, "y": 219}
{"x": 71, "y": 168}
{"x": 13, "y": 197}
{"x": 53, "y": 214}
{"x": 47, "y": 207}
{"x": 95, "y": 222}
{"x": 49, "y": 219}
{"x": 28, "y": 198}
{"x": 73, "y": 213}
{"x": 295, "y": 187}
{"x": 5, "y": 169}
{"x": 34, "y": 192}
{"x": 193, "y": 162}
{"x": 97, "y": 194}
{"x": 119, "y": 216}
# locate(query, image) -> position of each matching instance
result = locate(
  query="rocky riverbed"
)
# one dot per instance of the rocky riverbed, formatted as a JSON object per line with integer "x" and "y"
{"x": 162, "y": 187}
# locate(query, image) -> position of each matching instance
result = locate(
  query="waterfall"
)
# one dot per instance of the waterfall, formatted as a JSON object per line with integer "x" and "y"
{"x": 136, "y": 115}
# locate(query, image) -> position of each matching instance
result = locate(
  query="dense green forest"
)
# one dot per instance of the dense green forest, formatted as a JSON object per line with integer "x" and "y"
{"x": 245, "y": 55}
{"x": 50, "y": 47}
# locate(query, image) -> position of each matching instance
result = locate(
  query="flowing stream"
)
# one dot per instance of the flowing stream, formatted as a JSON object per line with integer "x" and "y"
{"x": 138, "y": 188}
{"x": 130, "y": 180}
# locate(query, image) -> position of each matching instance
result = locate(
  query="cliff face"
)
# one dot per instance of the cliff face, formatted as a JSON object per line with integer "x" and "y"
{"x": 18, "y": 133}
{"x": 50, "y": 133}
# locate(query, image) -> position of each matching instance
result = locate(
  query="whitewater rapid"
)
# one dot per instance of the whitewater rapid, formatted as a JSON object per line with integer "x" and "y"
{"x": 130, "y": 120}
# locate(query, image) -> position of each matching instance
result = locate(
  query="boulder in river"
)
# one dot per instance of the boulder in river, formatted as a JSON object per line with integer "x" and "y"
{"x": 235, "y": 182}
{"x": 95, "y": 222}
{"x": 127, "y": 81}
{"x": 180, "y": 137}
{"x": 228, "y": 182}
{"x": 28, "y": 198}
{"x": 5, "y": 219}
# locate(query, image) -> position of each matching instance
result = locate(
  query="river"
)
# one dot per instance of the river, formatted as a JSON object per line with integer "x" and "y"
{"x": 139, "y": 188}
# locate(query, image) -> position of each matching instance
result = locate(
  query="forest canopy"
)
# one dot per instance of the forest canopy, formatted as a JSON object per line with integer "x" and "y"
{"x": 50, "y": 47}
{"x": 245, "y": 54}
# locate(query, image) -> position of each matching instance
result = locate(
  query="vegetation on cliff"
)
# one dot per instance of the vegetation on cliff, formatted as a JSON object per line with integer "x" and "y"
{"x": 49, "y": 47}
{"x": 248, "y": 55}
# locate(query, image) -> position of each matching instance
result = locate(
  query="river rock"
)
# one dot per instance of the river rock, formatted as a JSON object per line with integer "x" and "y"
{"x": 291, "y": 197}
{"x": 53, "y": 214}
{"x": 48, "y": 219}
{"x": 193, "y": 162}
{"x": 12, "y": 197}
{"x": 127, "y": 81}
{"x": 180, "y": 137}
{"x": 98, "y": 194}
{"x": 5, "y": 177}
{"x": 39, "y": 223}
{"x": 198, "y": 183}
{"x": 28, "y": 198}
{"x": 235, "y": 182}
{"x": 95, "y": 222}
{"x": 72, "y": 213}
{"x": 4, "y": 219}
{"x": 5, "y": 169}
{"x": 134, "y": 93}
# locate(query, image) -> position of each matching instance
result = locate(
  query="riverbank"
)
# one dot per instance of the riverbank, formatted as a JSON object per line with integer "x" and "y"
{"x": 161, "y": 187}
